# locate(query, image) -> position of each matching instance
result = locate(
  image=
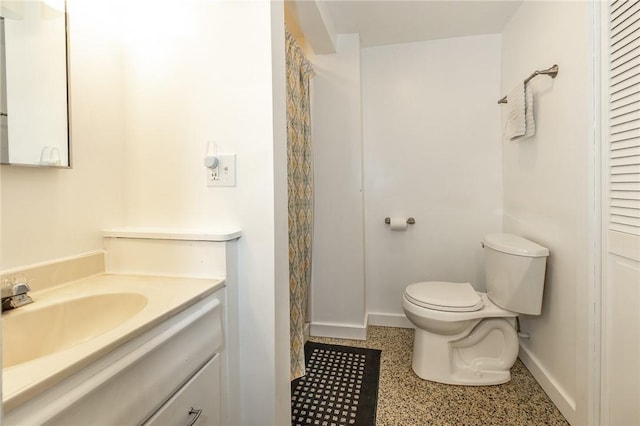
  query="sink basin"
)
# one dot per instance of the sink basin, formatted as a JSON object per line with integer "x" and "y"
{"x": 35, "y": 331}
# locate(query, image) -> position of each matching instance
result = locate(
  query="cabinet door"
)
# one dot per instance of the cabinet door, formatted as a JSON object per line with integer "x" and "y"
{"x": 198, "y": 402}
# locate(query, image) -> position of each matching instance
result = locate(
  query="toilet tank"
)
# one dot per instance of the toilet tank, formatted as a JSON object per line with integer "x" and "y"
{"x": 514, "y": 271}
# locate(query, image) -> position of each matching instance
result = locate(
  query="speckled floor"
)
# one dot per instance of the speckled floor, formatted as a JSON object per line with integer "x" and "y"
{"x": 405, "y": 399}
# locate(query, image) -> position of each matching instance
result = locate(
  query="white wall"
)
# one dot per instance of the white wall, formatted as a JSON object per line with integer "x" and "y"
{"x": 204, "y": 71}
{"x": 546, "y": 188}
{"x": 53, "y": 213}
{"x": 337, "y": 289}
{"x": 1, "y": 263}
{"x": 431, "y": 151}
{"x": 140, "y": 121}
{"x": 280, "y": 224}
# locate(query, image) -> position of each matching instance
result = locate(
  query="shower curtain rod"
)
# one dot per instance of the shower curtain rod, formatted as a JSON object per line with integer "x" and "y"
{"x": 552, "y": 72}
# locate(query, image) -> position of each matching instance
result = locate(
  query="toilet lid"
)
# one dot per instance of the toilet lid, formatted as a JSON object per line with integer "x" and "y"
{"x": 444, "y": 296}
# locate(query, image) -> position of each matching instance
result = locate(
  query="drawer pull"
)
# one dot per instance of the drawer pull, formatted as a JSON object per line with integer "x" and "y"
{"x": 197, "y": 413}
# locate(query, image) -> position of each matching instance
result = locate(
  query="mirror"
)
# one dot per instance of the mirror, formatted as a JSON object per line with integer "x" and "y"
{"x": 34, "y": 112}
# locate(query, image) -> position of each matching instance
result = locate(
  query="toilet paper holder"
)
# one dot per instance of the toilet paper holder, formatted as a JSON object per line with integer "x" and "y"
{"x": 410, "y": 221}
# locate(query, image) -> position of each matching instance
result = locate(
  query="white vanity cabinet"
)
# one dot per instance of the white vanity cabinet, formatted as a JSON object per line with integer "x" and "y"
{"x": 174, "y": 361}
{"x": 198, "y": 402}
{"x": 155, "y": 379}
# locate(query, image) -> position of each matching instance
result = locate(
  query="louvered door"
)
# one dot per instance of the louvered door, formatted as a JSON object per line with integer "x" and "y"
{"x": 621, "y": 262}
{"x": 624, "y": 117}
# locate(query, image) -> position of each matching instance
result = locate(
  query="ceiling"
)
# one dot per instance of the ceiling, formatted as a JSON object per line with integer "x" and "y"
{"x": 400, "y": 21}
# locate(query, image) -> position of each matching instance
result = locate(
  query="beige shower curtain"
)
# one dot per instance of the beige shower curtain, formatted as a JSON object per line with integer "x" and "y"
{"x": 300, "y": 182}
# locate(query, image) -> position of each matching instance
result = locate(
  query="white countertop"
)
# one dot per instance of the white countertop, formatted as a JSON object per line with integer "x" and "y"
{"x": 165, "y": 298}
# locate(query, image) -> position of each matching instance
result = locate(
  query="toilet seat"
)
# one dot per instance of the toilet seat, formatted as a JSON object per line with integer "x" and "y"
{"x": 444, "y": 296}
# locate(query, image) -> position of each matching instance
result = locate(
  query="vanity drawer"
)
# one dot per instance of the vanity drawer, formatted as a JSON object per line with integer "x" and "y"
{"x": 197, "y": 403}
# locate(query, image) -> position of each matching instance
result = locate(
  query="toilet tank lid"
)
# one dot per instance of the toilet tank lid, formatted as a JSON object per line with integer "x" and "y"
{"x": 514, "y": 244}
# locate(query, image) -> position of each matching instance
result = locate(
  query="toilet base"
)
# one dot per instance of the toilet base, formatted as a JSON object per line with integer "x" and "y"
{"x": 481, "y": 357}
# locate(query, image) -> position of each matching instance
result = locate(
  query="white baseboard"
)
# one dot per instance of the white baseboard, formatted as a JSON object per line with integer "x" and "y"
{"x": 558, "y": 395}
{"x": 339, "y": 331}
{"x": 390, "y": 320}
{"x": 356, "y": 331}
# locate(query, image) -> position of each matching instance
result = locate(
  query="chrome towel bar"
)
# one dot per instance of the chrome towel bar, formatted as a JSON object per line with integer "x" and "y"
{"x": 551, "y": 72}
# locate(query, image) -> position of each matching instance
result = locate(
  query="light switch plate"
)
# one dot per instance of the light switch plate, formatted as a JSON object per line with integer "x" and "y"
{"x": 225, "y": 173}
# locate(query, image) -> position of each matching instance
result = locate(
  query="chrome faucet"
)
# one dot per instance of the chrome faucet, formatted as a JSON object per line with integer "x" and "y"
{"x": 15, "y": 295}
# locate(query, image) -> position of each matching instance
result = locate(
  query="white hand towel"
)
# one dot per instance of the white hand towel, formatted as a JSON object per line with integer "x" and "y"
{"x": 515, "y": 125}
{"x": 530, "y": 122}
{"x": 520, "y": 123}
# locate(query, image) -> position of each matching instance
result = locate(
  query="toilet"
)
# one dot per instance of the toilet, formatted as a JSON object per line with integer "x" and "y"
{"x": 464, "y": 337}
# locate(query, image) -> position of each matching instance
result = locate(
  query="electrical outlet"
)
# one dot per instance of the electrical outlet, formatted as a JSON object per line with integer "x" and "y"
{"x": 212, "y": 175}
{"x": 225, "y": 173}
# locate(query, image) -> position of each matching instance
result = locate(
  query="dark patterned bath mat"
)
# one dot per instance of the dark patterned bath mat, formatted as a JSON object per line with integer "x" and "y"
{"x": 339, "y": 389}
